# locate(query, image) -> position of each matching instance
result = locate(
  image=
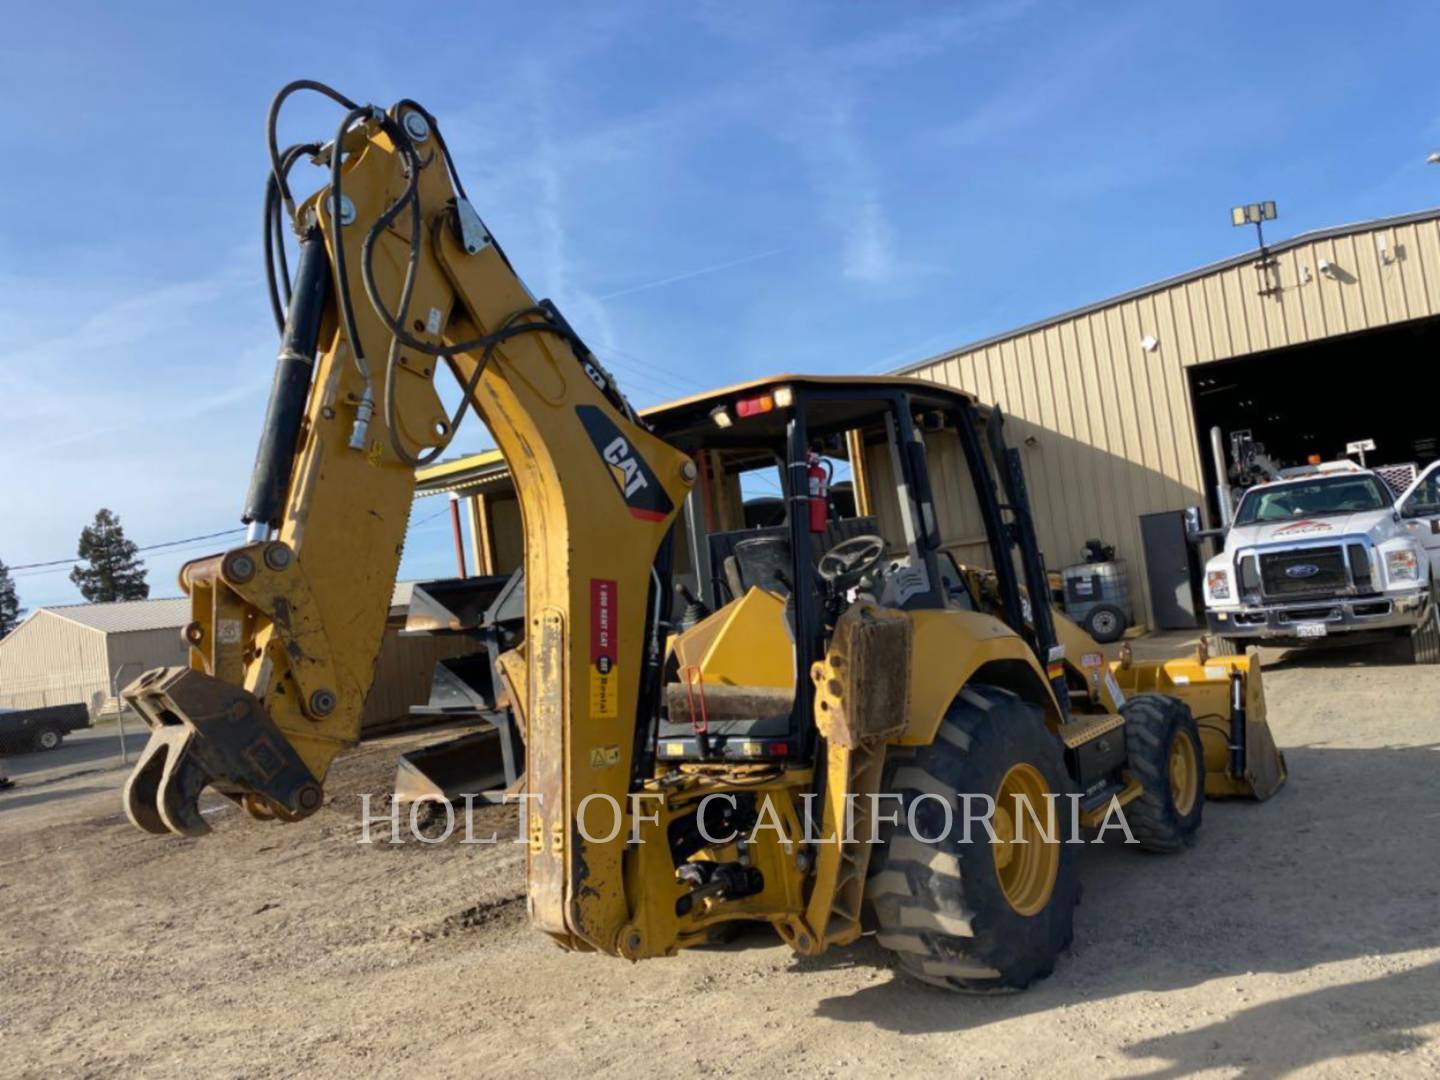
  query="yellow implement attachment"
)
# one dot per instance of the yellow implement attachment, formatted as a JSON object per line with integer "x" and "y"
{"x": 1227, "y": 698}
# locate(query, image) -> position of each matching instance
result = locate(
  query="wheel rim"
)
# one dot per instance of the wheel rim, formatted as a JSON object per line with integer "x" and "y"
{"x": 1104, "y": 622}
{"x": 1184, "y": 773}
{"x": 1027, "y": 871}
{"x": 49, "y": 740}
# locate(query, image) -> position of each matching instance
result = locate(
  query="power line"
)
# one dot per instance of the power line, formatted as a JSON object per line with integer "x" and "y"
{"x": 428, "y": 518}
{"x": 188, "y": 549}
{"x": 148, "y": 547}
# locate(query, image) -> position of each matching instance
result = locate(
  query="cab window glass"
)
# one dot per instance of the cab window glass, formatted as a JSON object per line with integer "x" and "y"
{"x": 1425, "y": 499}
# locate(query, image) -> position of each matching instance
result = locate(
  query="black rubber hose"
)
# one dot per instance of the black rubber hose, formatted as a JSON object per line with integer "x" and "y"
{"x": 278, "y": 192}
{"x": 274, "y": 237}
{"x": 342, "y": 277}
{"x": 271, "y": 123}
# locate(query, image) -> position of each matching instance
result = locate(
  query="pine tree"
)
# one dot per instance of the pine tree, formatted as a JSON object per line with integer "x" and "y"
{"x": 10, "y": 609}
{"x": 114, "y": 573}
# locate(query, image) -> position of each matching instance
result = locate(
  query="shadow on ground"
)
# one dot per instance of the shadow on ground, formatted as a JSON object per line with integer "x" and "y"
{"x": 1337, "y": 653}
{"x": 18, "y": 797}
{"x": 1336, "y": 867}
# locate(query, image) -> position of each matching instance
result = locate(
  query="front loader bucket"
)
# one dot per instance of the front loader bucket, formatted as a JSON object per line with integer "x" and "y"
{"x": 1227, "y": 698}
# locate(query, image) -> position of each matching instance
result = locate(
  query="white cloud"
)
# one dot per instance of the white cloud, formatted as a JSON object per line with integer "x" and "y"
{"x": 870, "y": 246}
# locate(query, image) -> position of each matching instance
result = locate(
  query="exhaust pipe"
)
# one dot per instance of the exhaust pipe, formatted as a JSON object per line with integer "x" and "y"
{"x": 1222, "y": 474}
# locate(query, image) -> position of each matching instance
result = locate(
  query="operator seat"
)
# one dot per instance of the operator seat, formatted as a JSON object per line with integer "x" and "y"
{"x": 742, "y": 558}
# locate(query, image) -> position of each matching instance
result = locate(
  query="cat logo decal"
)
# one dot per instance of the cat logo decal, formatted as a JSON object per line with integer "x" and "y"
{"x": 637, "y": 484}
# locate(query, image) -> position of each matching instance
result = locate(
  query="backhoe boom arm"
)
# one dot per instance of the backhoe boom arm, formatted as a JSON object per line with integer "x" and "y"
{"x": 287, "y": 628}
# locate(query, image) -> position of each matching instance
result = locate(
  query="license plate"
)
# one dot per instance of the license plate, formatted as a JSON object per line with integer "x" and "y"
{"x": 1311, "y": 629}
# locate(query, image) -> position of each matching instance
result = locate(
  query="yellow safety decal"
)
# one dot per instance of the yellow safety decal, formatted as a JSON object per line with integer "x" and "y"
{"x": 602, "y": 757}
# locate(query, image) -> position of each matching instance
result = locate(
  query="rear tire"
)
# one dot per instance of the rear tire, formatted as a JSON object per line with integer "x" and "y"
{"x": 48, "y": 739}
{"x": 1166, "y": 756}
{"x": 1105, "y": 623}
{"x": 942, "y": 908}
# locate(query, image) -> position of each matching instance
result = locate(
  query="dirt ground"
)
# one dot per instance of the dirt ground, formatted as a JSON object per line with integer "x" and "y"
{"x": 1299, "y": 935}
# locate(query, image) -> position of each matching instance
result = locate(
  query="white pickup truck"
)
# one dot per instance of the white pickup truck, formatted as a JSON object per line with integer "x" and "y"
{"x": 1326, "y": 551}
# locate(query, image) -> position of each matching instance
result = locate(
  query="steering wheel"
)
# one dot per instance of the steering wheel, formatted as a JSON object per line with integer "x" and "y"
{"x": 849, "y": 560}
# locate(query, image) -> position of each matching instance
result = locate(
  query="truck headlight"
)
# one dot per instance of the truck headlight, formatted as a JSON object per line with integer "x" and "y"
{"x": 1218, "y": 583}
{"x": 1402, "y": 565}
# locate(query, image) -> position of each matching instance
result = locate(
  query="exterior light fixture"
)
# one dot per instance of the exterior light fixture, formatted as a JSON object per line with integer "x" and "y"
{"x": 1257, "y": 213}
{"x": 1253, "y": 213}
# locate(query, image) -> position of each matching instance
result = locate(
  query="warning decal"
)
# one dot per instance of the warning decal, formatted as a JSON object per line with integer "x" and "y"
{"x": 603, "y": 678}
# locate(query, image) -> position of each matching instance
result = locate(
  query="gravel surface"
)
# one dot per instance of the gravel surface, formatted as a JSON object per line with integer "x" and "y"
{"x": 1300, "y": 935}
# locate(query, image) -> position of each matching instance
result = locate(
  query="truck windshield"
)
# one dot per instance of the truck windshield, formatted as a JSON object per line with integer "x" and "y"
{"x": 1312, "y": 498}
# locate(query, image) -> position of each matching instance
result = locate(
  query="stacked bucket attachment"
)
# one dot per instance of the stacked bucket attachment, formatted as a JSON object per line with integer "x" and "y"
{"x": 468, "y": 689}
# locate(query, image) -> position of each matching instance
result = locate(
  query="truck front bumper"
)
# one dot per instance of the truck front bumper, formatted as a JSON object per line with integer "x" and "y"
{"x": 1341, "y": 614}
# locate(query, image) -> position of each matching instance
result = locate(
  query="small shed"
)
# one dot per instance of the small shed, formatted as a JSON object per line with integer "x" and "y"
{"x": 85, "y": 653}
{"x": 81, "y": 653}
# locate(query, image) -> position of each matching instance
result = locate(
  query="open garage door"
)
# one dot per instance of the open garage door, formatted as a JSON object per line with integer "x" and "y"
{"x": 1316, "y": 398}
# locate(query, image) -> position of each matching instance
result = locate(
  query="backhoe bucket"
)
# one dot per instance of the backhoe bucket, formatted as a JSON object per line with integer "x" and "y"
{"x": 1227, "y": 698}
{"x": 480, "y": 763}
{"x": 484, "y": 764}
{"x": 471, "y": 765}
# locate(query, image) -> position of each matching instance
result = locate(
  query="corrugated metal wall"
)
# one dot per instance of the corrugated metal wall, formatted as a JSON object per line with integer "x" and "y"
{"x": 49, "y": 660}
{"x": 403, "y": 671}
{"x": 1112, "y": 427}
{"x": 135, "y": 651}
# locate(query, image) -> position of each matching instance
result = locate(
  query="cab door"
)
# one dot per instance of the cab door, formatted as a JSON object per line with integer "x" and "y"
{"x": 1420, "y": 511}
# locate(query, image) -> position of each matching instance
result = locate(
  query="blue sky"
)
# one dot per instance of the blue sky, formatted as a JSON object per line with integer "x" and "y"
{"x": 710, "y": 191}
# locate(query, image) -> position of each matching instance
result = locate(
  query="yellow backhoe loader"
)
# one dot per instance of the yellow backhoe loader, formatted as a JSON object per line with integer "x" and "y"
{"x": 800, "y": 745}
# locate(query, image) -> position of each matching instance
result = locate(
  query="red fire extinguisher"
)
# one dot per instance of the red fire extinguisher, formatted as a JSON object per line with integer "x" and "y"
{"x": 819, "y": 476}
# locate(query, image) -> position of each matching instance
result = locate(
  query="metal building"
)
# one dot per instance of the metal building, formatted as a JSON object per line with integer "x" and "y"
{"x": 1310, "y": 344}
{"x": 1315, "y": 342}
{"x": 80, "y": 653}
{"x": 483, "y": 498}
{"x": 85, "y": 653}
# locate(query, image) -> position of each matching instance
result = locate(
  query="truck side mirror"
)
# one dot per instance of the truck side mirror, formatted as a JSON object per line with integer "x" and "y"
{"x": 1192, "y": 523}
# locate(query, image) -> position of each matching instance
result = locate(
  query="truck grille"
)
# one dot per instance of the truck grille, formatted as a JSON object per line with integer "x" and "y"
{"x": 1282, "y": 573}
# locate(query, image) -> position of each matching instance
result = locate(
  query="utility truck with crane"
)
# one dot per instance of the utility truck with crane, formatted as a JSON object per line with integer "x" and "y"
{"x": 1327, "y": 551}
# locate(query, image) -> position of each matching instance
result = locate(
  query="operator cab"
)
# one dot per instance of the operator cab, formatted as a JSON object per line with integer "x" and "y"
{"x": 812, "y": 494}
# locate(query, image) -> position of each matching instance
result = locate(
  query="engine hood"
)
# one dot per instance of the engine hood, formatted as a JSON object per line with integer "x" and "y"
{"x": 1375, "y": 523}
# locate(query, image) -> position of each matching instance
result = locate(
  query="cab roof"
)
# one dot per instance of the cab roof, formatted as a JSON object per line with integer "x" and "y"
{"x": 846, "y": 401}
{"x": 922, "y": 388}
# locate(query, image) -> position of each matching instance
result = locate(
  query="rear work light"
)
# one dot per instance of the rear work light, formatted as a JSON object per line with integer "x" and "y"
{"x": 754, "y": 406}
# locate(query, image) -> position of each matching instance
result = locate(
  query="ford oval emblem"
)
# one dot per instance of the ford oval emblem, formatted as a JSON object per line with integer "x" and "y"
{"x": 1302, "y": 570}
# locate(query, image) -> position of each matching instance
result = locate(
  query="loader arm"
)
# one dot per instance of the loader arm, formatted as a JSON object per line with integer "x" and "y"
{"x": 287, "y": 628}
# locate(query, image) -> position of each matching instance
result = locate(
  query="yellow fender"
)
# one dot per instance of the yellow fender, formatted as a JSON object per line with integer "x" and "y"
{"x": 952, "y": 648}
